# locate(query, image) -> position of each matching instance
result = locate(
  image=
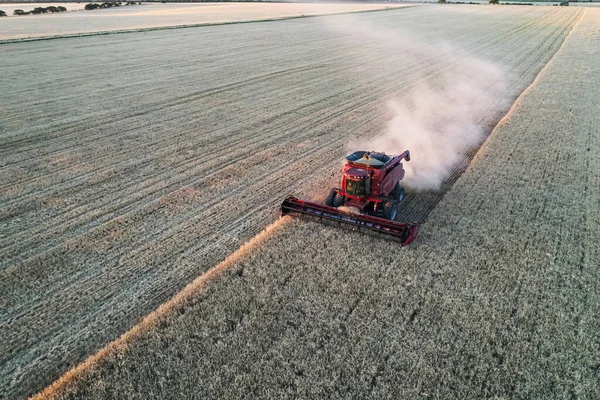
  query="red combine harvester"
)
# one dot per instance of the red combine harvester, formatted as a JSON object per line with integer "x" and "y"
{"x": 371, "y": 183}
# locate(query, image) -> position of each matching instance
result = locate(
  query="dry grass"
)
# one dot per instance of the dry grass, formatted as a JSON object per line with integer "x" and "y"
{"x": 133, "y": 210}
{"x": 117, "y": 347}
{"x": 497, "y": 299}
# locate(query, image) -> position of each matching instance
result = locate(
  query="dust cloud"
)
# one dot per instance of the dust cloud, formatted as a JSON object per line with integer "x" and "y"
{"x": 438, "y": 117}
{"x": 439, "y": 125}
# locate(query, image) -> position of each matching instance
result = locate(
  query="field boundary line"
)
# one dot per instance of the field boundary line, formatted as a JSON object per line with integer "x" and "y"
{"x": 199, "y": 25}
{"x": 483, "y": 148}
{"x": 155, "y": 317}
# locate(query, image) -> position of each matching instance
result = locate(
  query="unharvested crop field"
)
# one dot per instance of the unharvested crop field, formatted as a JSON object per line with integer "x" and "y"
{"x": 155, "y": 15}
{"x": 498, "y": 299}
{"x": 126, "y": 171}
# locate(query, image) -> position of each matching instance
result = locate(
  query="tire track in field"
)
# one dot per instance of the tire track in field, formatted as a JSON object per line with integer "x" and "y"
{"x": 151, "y": 291}
{"x": 456, "y": 347}
{"x": 565, "y": 31}
{"x": 569, "y": 25}
{"x": 187, "y": 161}
{"x": 44, "y": 229}
{"x": 417, "y": 206}
{"x": 149, "y": 250}
{"x": 101, "y": 136}
{"x": 276, "y": 338}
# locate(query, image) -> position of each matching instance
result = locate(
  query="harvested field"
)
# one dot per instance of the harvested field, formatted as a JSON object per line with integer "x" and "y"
{"x": 127, "y": 172}
{"x": 9, "y": 8}
{"x": 155, "y": 15}
{"x": 498, "y": 299}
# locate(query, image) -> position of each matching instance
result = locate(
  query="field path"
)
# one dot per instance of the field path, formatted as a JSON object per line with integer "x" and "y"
{"x": 126, "y": 172}
{"x": 499, "y": 298}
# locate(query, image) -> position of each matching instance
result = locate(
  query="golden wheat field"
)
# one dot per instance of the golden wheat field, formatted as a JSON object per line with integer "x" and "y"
{"x": 134, "y": 165}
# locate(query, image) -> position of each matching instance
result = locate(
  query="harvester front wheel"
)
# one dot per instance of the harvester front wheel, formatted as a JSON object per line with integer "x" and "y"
{"x": 390, "y": 210}
{"x": 331, "y": 197}
{"x": 338, "y": 201}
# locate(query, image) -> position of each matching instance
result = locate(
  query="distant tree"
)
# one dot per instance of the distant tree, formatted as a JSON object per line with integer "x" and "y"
{"x": 564, "y": 3}
{"x": 494, "y": 1}
{"x": 106, "y": 4}
{"x": 39, "y": 10}
{"x": 2, "y": 13}
{"x": 442, "y": 1}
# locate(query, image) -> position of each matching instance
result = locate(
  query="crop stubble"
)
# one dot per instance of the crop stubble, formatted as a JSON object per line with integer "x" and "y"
{"x": 120, "y": 187}
{"x": 499, "y": 297}
{"x": 150, "y": 16}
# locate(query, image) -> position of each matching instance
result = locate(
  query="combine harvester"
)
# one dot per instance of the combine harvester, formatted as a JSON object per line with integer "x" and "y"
{"x": 371, "y": 184}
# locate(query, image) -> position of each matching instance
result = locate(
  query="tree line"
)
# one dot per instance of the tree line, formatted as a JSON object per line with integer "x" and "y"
{"x": 108, "y": 4}
{"x": 39, "y": 10}
{"x": 57, "y": 9}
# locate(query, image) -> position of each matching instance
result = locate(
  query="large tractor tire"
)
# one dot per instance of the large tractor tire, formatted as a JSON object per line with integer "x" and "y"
{"x": 390, "y": 210}
{"x": 330, "y": 199}
{"x": 338, "y": 201}
{"x": 398, "y": 192}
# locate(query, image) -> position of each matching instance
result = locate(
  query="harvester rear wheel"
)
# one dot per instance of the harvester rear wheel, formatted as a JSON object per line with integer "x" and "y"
{"x": 390, "y": 210}
{"x": 330, "y": 199}
{"x": 398, "y": 192}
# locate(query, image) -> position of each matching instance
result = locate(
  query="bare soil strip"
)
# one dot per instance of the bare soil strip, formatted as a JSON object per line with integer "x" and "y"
{"x": 498, "y": 299}
{"x": 121, "y": 186}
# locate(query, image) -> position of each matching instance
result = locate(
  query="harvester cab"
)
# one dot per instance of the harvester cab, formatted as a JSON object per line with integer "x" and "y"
{"x": 370, "y": 184}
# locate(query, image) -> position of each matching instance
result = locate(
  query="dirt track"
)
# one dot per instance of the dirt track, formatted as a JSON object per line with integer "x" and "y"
{"x": 120, "y": 187}
{"x": 498, "y": 299}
